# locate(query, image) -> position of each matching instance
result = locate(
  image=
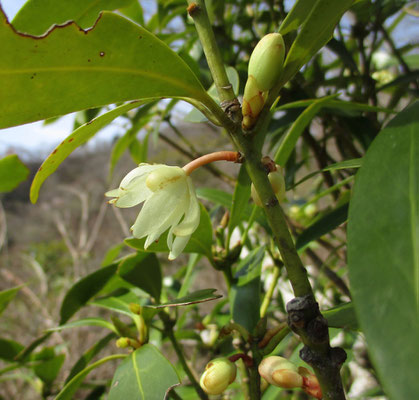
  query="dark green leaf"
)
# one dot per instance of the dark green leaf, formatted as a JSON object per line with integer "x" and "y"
{"x": 297, "y": 15}
{"x": 342, "y": 316}
{"x": 200, "y": 241}
{"x": 12, "y": 173}
{"x": 199, "y": 296}
{"x": 9, "y": 349}
{"x": 142, "y": 270}
{"x": 324, "y": 225}
{"x": 70, "y": 388}
{"x": 50, "y": 365}
{"x": 76, "y": 139}
{"x": 383, "y": 253}
{"x": 245, "y": 304}
{"x": 297, "y": 128}
{"x": 83, "y": 290}
{"x": 144, "y": 375}
{"x": 316, "y": 31}
{"x": 70, "y": 69}
{"x": 6, "y": 296}
{"x": 37, "y": 16}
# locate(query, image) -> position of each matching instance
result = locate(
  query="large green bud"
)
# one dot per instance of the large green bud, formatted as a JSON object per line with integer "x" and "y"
{"x": 265, "y": 68}
{"x": 277, "y": 180}
{"x": 218, "y": 374}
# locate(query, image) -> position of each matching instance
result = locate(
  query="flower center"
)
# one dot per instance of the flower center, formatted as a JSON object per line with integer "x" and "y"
{"x": 162, "y": 177}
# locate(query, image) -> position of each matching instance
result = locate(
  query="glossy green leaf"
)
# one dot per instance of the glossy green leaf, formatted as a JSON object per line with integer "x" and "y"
{"x": 12, "y": 173}
{"x": 315, "y": 32}
{"x": 86, "y": 322}
{"x": 112, "y": 254}
{"x": 200, "y": 296}
{"x": 70, "y": 388}
{"x": 342, "y": 316}
{"x": 200, "y": 241}
{"x": 250, "y": 267}
{"x": 347, "y": 164}
{"x": 83, "y": 290}
{"x": 142, "y": 270}
{"x": 9, "y": 349}
{"x": 297, "y": 128}
{"x": 118, "y": 302}
{"x": 37, "y": 16}
{"x": 324, "y": 225}
{"x": 69, "y": 144}
{"x": 297, "y": 15}
{"x": 383, "y": 253}
{"x": 337, "y": 105}
{"x": 70, "y": 69}
{"x": 216, "y": 196}
{"x": 144, "y": 375}
{"x": 87, "y": 356}
{"x": 6, "y": 296}
{"x": 240, "y": 200}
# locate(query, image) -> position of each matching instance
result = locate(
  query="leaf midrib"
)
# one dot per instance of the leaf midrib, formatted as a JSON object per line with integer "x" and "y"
{"x": 198, "y": 94}
{"x": 414, "y": 217}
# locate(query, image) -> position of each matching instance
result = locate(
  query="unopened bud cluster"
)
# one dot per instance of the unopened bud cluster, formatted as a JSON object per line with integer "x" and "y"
{"x": 265, "y": 68}
{"x": 218, "y": 374}
{"x": 279, "y": 371}
{"x": 276, "y": 178}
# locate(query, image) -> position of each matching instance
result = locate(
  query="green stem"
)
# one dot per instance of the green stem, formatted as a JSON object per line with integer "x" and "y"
{"x": 198, "y": 12}
{"x": 268, "y": 296}
{"x": 168, "y": 329}
{"x": 303, "y": 310}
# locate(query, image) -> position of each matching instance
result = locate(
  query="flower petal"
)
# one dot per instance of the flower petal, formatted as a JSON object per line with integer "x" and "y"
{"x": 140, "y": 170}
{"x": 112, "y": 193}
{"x": 158, "y": 207}
{"x": 134, "y": 193}
{"x": 192, "y": 215}
{"x": 179, "y": 244}
{"x": 173, "y": 219}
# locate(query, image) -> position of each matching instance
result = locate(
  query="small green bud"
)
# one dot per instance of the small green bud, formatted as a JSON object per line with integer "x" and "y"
{"x": 278, "y": 371}
{"x": 123, "y": 343}
{"x": 278, "y": 186}
{"x": 265, "y": 68}
{"x": 135, "y": 308}
{"x": 218, "y": 374}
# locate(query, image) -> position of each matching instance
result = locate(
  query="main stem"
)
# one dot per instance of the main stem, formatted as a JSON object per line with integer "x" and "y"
{"x": 304, "y": 316}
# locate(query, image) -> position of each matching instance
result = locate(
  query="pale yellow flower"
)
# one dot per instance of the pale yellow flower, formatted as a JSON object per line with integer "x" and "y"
{"x": 169, "y": 203}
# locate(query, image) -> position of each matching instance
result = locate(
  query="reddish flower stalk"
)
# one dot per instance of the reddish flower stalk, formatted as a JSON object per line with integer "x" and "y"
{"x": 233, "y": 156}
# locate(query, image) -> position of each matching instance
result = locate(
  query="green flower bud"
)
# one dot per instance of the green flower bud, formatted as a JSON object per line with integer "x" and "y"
{"x": 278, "y": 186}
{"x": 218, "y": 374}
{"x": 266, "y": 61}
{"x": 265, "y": 68}
{"x": 278, "y": 371}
